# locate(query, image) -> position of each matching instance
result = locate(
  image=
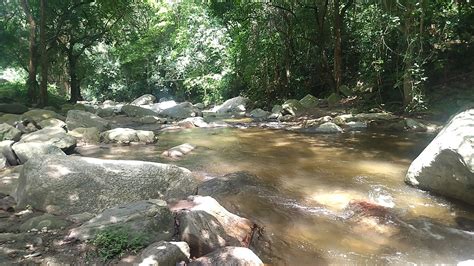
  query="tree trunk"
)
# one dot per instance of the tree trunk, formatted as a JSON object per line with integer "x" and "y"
{"x": 43, "y": 95}
{"x": 74, "y": 81}
{"x": 32, "y": 82}
{"x": 337, "y": 46}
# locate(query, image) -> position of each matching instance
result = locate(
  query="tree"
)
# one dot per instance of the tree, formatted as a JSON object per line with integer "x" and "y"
{"x": 43, "y": 93}
{"x": 32, "y": 83}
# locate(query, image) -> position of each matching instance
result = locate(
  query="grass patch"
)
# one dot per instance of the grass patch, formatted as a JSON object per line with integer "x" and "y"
{"x": 116, "y": 241}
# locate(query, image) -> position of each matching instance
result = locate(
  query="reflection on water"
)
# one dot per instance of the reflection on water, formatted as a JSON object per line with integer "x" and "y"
{"x": 320, "y": 175}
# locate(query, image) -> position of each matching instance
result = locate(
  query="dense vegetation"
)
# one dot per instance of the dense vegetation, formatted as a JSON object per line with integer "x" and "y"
{"x": 392, "y": 54}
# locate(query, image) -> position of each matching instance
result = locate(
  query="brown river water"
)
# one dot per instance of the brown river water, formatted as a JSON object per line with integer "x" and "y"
{"x": 317, "y": 176}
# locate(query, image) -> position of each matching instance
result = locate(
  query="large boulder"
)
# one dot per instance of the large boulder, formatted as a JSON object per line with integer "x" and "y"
{"x": 164, "y": 253}
{"x": 181, "y": 111}
{"x": 150, "y": 218}
{"x": 51, "y": 135}
{"x": 157, "y": 107}
{"x": 13, "y": 108}
{"x": 446, "y": 165}
{"x": 137, "y": 111}
{"x": 86, "y": 135}
{"x": 235, "y": 256}
{"x": 292, "y": 107}
{"x": 10, "y": 119}
{"x": 234, "y": 105}
{"x": 52, "y": 122}
{"x": 144, "y": 99}
{"x": 8, "y": 132}
{"x": 29, "y": 150}
{"x": 127, "y": 136}
{"x": 206, "y": 226}
{"x": 259, "y": 113}
{"x": 7, "y": 151}
{"x": 38, "y": 115}
{"x": 309, "y": 101}
{"x": 77, "y": 118}
{"x": 71, "y": 185}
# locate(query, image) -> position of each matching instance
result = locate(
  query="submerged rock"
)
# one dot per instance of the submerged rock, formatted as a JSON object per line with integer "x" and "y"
{"x": 179, "y": 151}
{"x": 149, "y": 218}
{"x": 206, "y": 226}
{"x": 77, "y": 118}
{"x": 144, "y": 99}
{"x": 71, "y": 184}
{"x": 127, "y": 136}
{"x": 164, "y": 253}
{"x": 235, "y": 256}
{"x": 446, "y": 165}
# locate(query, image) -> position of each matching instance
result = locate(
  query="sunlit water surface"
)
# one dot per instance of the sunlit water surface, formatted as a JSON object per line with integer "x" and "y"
{"x": 319, "y": 175}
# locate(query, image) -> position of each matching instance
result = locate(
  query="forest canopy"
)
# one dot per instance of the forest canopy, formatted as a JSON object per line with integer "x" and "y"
{"x": 401, "y": 54}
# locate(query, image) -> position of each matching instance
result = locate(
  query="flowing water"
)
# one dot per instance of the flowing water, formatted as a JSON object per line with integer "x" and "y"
{"x": 318, "y": 177}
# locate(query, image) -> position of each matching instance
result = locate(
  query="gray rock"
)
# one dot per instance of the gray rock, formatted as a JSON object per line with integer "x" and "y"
{"x": 309, "y": 101}
{"x": 326, "y": 128}
{"x": 8, "y": 132}
{"x": 89, "y": 135}
{"x": 164, "y": 253}
{"x": 29, "y": 150}
{"x": 356, "y": 125}
{"x": 259, "y": 114}
{"x": 7, "y": 151}
{"x": 277, "y": 109}
{"x": 72, "y": 184}
{"x": 80, "y": 217}
{"x": 199, "y": 106}
{"x": 3, "y": 161}
{"x": 9, "y": 179}
{"x": 222, "y": 228}
{"x": 333, "y": 99}
{"x": 105, "y": 112}
{"x": 292, "y": 107}
{"x": 151, "y": 120}
{"x": 52, "y": 122}
{"x": 162, "y": 105}
{"x": 77, "y": 118}
{"x": 13, "y": 108}
{"x": 414, "y": 125}
{"x": 374, "y": 116}
{"x": 196, "y": 121}
{"x": 235, "y": 256}
{"x": 150, "y": 218}
{"x": 137, "y": 111}
{"x": 10, "y": 119}
{"x": 127, "y": 136}
{"x": 51, "y": 135}
{"x": 181, "y": 111}
{"x": 233, "y": 105}
{"x": 144, "y": 99}
{"x": 38, "y": 115}
{"x": 179, "y": 151}
{"x": 47, "y": 220}
{"x": 446, "y": 165}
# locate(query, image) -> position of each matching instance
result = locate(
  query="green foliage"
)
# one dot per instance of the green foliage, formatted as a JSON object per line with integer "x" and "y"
{"x": 113, "y": 242}
{"x": 17, "y": 92}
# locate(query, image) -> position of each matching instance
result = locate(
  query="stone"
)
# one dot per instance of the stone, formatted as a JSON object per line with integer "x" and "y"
{"x": 233, "y": 105}
{"x": 356, "y": 125}
{"x": 86, "y": 135}
{"x": 29, "y": 150}
{"x": 3, "y": 161}
{"x": 149, "y": 119}
{"x": 46, "y": 220}
{"x": 179, "y": 151}
{"x": 196, "y": 121}
{"x": 10, "y": 119}
{"x": 38, "y": 115}
{"x": 292, "y": 107}
{"x": 259, "y": 114}
{"x": 341, "y": 120}
{"x": 277, "y": 109}
{"x": 72, "y": 184}
{"x": 199, "y": 106}
{"x": 150, "y": 218}
{"x": 164, "y": 253}
{"x": 13, "y": 108}
{"x": 206, "y": 226}
{"x": 446, "y": 165}
{"x": 346, "y": 91}
{"x": 309, "y": 101}
{"x": 374, "y": 116}
{"x": 162, "y": 105}
{"x": 80, "y": 217}
{"x": 325, "y": 128}
{"x": 144, "y": 99}
{"x": 414, "y": 125}
{"x": 51, "y": 135}
{"x": 333, "y": 99}
{"x": 8, "y": 132}
{"x": 108, "y": 103}
{"x": 105, "y": 112}
{"x": 77, "y": 118}
{"x": 26, "y": 127}
{"x": 127, "y": 136}
{"x": 52, "y": 122}
{"x": 137, "y": 111}
{"x": 235, "y": 256}
{"x": 180, "y": 111}
{"x": 9, "y": 179}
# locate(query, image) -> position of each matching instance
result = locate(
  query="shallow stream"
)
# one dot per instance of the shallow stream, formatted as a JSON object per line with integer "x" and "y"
{"x": 317, "y": 177}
